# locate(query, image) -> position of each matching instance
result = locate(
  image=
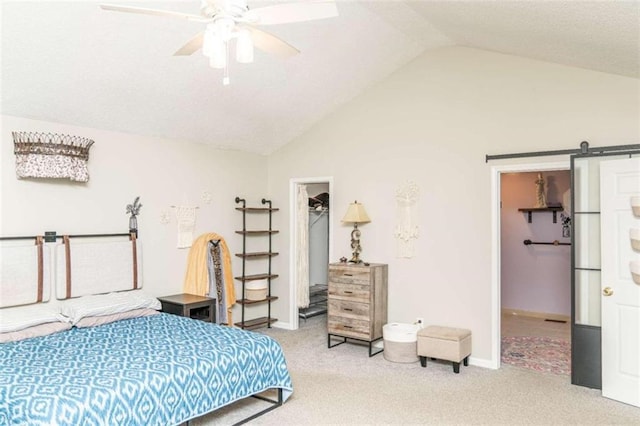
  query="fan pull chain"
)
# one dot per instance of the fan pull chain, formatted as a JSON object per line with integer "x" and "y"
{"x": 225, "y": 78}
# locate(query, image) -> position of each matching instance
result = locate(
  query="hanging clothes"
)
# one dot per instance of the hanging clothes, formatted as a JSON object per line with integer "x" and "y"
{"x": 217, "y": 286}
{"x": 302, "y": 244}
{"x": 200, "y": 281}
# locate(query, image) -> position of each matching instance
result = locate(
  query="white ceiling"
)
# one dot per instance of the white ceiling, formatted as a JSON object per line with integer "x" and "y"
{"x": 73, "y": 63}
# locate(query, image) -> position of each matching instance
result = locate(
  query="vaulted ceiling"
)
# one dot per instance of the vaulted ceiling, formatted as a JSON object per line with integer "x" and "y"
{"x": 74, "y": 63}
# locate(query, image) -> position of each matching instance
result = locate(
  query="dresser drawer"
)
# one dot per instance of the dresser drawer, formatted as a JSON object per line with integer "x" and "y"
{"x": 350, "y": 275}
{"x": 353, "y": 292}
{"x": 349, "y": 309}
{"x": 358, "y": 329}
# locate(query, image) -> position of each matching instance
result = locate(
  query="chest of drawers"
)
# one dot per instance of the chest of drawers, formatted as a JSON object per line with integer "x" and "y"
{"x": 357, "y": 302}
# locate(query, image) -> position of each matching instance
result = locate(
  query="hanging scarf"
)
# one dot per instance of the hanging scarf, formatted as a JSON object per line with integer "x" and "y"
{"x": 196, "y": 280}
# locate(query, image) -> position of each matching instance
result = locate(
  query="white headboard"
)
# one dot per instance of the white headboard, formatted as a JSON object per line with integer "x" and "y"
{"x": 25, "y": 274}
{"x": 85, "y": 268}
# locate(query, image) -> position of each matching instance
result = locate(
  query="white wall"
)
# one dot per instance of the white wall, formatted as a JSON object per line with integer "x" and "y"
{"x": 433, "y": 122}
{"x": 122, "y": 166}
{"x": 534, "y": 278}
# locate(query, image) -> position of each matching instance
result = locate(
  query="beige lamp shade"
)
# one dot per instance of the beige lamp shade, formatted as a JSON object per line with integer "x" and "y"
{"x": 356, "y": 214}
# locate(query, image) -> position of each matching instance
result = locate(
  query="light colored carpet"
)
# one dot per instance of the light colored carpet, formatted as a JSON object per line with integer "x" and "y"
{"x": 343, "y": 386}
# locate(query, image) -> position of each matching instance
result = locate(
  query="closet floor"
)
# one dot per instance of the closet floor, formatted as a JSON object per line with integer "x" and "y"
{"x": 518, "y": 325}
{"x": 317, "y": 302}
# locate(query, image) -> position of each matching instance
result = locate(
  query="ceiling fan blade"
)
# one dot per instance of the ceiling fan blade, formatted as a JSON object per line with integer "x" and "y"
{"x": 155, "y": 12}
{"x": 191, "y": 46}
{"x": 270, "y": 43}
{"x": 292, "y": 12}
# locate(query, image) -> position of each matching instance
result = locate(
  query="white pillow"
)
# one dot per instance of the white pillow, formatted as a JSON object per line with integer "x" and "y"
{"x": 21, "y": 317}
{"x": 107, "y": 304}
{"x": 35, "y": 331}
{"x": 106, "y": 319}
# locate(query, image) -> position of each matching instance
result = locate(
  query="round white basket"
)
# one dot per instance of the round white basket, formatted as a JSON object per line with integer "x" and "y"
{"x": 256, "y": 290}
{"x": 400, "y": 342}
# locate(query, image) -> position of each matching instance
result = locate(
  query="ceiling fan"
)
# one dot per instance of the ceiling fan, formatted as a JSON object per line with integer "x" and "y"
{"x": 227, "y": 20}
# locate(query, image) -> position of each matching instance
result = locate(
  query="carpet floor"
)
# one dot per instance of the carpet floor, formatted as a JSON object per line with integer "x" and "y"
{"x": 343, "y": 386}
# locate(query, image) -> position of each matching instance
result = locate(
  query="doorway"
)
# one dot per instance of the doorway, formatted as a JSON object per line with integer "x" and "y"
{"x": 589, "y": 202}
{"x": 496, "y": 284}
{"x": 536, "y": 270}
{"x": 319, "y": 208}
{"x": 320, "y": 243}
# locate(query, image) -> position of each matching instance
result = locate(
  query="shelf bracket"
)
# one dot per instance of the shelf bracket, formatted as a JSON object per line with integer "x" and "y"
{"x": 530, "y": 211}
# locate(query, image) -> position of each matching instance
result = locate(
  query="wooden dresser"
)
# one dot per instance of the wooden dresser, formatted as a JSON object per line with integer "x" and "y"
{"x": 357, "y": 303}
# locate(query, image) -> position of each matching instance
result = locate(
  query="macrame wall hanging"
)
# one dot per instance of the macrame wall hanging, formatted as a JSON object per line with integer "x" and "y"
{"x": 186, "y": 217}
{"x": 406, "y": 226}
{"x": 51, "y": 155}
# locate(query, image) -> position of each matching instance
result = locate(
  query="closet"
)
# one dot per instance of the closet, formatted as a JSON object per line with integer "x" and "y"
{"x": 318, "y": 251}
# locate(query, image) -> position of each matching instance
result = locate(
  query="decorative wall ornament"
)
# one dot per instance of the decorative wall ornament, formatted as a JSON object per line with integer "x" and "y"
{"x": 206, "y": 197}
{"x": 541, "y": 195}
{"x": 51, "y": 155}
{"x": 165, "y": 217}
{"x": 186, "y": 217}
{"x": 134, "y": 210}
{"x": 406, "y": 229}
{"x": 566, "y": 225}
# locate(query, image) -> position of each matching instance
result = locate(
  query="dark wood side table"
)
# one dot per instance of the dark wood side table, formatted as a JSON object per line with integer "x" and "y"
{"x": 189, "y": 305}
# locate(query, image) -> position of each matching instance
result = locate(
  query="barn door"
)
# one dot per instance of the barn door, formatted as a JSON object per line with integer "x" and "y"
{"x": 586, "y": 265}
{"x": 620, "y": 184}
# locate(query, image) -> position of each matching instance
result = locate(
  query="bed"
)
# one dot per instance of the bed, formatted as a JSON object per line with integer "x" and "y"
{"x": 113, "y": 359}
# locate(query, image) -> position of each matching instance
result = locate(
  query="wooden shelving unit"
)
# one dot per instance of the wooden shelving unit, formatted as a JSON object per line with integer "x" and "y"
{"x": 267, "y": 320}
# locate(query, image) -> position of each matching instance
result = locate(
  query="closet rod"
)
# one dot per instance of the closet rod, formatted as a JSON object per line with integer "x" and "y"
{"x": 584, "y": 149}
{"x": 553, "y": 243}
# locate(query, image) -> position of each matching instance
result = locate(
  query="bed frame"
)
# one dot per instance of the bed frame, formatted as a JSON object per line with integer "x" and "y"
{"x": 275, "y": 404}
{"x": 52, "y": 236}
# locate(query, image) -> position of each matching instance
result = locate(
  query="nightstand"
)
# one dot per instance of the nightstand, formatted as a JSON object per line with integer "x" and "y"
{"x": 189, "y": 305}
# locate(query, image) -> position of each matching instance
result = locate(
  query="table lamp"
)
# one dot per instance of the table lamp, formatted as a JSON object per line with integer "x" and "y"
{"x": 356, "y": 214}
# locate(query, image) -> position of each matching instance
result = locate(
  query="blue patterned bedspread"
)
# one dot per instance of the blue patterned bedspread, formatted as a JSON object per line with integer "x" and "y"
{"x": 156, "y": 370}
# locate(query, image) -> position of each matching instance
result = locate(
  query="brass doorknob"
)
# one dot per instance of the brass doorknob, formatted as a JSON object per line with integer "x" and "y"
{"x": 607, "y": 291}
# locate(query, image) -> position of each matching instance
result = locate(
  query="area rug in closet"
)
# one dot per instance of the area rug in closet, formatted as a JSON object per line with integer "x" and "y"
{"x": 537, "y": 353}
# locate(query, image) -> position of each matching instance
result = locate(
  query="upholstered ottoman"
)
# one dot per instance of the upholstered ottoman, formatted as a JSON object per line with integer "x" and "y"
{"x": 446, "y": 343}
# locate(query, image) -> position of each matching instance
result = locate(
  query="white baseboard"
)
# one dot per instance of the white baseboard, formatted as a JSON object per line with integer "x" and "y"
{"x": 283, "y": 325}
{"x": 481, "y": 362}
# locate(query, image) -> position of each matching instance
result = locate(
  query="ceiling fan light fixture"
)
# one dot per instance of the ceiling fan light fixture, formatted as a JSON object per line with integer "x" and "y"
{"x": 223, "y": 27}
{"x": 244, "y": 47}
{"x": 218, "y": 56}
{"x": 227, "y": 19}
{"x": 208, "y": 40}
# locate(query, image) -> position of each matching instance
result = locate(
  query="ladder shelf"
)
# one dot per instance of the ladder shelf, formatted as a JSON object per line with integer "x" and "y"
{"x": 247, "y": 256}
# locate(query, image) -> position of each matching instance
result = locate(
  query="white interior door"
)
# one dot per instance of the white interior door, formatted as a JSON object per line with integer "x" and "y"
{"x": 620, "y": 301}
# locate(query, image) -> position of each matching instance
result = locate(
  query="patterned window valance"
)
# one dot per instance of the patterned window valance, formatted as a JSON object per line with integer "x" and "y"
{"x": 50, "y": 155}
